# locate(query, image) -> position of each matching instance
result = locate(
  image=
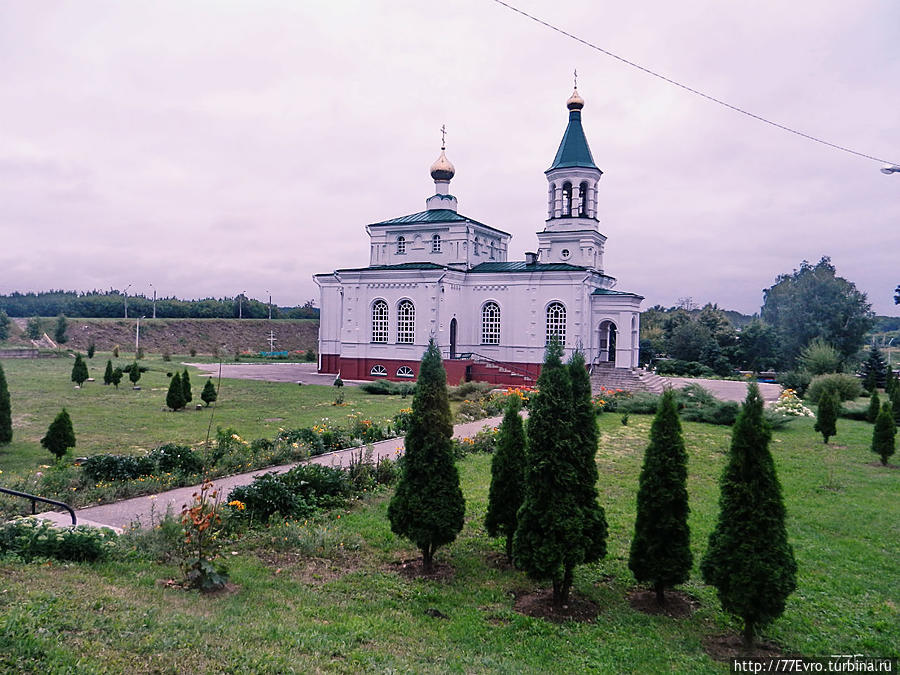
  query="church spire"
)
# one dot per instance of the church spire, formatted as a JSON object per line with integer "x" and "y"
{"x": 573, "y": 150}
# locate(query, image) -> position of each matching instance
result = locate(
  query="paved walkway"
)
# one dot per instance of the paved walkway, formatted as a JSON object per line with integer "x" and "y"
{"x": 118, "y": 515}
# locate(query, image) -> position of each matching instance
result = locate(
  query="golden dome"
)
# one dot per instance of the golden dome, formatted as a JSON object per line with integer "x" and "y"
{"x": 442, "y": 169}
{"x": 575, "y": 101}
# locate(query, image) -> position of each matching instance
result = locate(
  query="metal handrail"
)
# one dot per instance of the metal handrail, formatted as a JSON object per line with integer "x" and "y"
{"x": 35, "y": 498}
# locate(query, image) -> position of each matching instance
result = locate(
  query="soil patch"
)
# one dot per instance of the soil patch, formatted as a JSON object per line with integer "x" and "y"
{"x": 879, "y": 465}
{"x": 412, "y": 569}
{"x": 730, "y": 646}
{"x": 309, "y": 570}
{"x": 228, "y": 589}
{"x": 540, "y": 605}
{"x": 498, "y": 561}
{"x": 678, "y": 605}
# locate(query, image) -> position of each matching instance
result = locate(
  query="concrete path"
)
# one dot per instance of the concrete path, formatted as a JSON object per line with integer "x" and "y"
{"x": 122, "y": 514}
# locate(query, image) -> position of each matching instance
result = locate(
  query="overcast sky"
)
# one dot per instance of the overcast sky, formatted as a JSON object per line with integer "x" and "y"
{"x": 209, "y": 148}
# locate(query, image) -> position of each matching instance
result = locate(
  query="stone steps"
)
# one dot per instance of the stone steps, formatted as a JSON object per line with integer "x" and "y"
{"x": 629, "y": 379}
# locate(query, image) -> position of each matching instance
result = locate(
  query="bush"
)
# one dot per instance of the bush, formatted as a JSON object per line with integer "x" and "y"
{"x": 797, "y": 380}
{"x": 30, "y": 538}
{"x": 172, "y": 458}
{"x": 469, "y": 390}
{"x": 847, "y": 387}
{"x": 820, "y": 358}
{"x": 33, "y": 328}
{"x": 681, "y": 368}
{"x": 388, "y": 388}
{"x": 267, "y": 495}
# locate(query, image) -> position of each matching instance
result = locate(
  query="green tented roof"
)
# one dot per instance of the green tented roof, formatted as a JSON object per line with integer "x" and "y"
{"x": 434, "y": 216}
{"x": 573, "y": 150}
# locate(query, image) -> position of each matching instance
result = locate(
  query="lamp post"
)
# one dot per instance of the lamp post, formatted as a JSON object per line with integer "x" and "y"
{"x": 890, "y": 168}
{"x": 154, "y": 301}
{"x": 125, "y": 293}
{"x": 270, "y": 304}
{"x": 137, "y": 336}
{"x": 241, "y": 305}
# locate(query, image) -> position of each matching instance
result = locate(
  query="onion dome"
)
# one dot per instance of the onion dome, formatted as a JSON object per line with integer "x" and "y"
{"x": 575, "y": 101}
{"x": 442, "y": 169}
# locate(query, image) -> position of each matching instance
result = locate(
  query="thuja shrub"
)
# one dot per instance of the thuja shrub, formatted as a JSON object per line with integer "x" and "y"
{"x": 31, "y": 538}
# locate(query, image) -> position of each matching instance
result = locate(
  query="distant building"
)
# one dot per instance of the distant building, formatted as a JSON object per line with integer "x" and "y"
{"x": 440, "y": 274}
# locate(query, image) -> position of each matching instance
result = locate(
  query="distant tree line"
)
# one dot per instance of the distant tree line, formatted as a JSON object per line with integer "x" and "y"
{"x": 111, "y": 304}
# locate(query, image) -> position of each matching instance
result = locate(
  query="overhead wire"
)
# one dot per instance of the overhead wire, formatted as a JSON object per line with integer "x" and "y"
{"x": 697, "y": 92}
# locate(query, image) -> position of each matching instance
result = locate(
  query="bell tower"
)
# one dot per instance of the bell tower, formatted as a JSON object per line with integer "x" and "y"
{"x": 571, "y": 233}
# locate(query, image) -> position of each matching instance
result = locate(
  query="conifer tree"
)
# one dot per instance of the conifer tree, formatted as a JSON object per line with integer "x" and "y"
{"x": 884, "y": 435}
{"x": 108, "y": 373}
{"x": 79, "y": 370}
{"x": 116, "y": 377}
{"x": 661, "y": 548}
{"x": 428, "y": 506}
{"x": 209, "y": 394}
{"x": 507, "y": 475}
{"x": 59, "y": 333}
{"x": 874, "y": 407}
{"x": 6, "y": 433}
{"x": 186, "y": 387}
{"x": 4, "y": 325}
{"x": 134, "y": 373}
{"x": 60, "y": 435}
{"x": 560, "y": 524}
{"x": 175, "y": 395}
{"x": 749, "y": 559}
{"x": 827, "y": 414}
{"x": 874, "y": 369}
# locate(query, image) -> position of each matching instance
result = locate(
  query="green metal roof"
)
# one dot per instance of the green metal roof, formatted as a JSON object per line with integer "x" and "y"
{"x": 522, "y": 266}
{"x": 608, "y": 291}
{"x": 573, "y": 150}
{"x": 400, "y": 266}
{"x": 434, "y": 216}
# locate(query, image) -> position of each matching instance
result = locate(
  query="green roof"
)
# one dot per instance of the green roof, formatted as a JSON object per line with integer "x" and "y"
{"x": 434, "y": 216}
{"x": 608, "y": 291}
{"x": 522, "y": 266}
{"x": 573, "y": 150}
{"x": 400, "y": 266}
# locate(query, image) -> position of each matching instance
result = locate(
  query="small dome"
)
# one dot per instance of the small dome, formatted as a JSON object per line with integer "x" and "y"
{"x": 575, "y": 101}
{"x": 442, "y": 169}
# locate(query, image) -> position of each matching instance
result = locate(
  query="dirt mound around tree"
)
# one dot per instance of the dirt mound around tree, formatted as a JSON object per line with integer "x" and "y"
{"x": 179, "y": 336}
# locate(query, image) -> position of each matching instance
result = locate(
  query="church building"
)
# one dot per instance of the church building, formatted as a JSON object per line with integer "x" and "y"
{"x": 439, "y": 274}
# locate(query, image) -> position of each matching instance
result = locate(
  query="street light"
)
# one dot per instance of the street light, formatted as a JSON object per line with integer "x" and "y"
{"x": 125, "y": 293}
{"x": 240, "y": 305}
{"x": 137, "y": 336}
{"x": 154, "y": 301}
{"x": 890, "y": 168}
{"x": 270, "y": 304}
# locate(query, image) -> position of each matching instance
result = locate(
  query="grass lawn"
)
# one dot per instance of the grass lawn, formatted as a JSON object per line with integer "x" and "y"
{"x": 122, "y": 420}
{"x": 348, "y": 610}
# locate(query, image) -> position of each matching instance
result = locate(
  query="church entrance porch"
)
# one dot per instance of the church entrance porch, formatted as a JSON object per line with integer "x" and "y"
{"x": 606, "y": 344}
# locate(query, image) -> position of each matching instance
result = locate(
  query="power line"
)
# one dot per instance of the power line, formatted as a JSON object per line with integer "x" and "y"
{"x": 660, "y": 76}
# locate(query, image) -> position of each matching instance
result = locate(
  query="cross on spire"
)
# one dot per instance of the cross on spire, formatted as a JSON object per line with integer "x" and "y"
{"x": 443, "y": 137}
{"x": 576, "y": 78}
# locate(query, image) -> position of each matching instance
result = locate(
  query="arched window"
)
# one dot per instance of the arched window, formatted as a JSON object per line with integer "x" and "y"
{"x": 583, "y": 199}
{"x": 556, "y": 322}
{"x": 490, "y": 324}
{"x": 401, "y": 244}
{"x": 405, "y": 371}
{"x": 567, "y": 199}
{"x": 379, "y": 321}
{"x": 378, "y": 370}
{"x": 406, "y": 322}
{"x": 476, "y": 246}
{"x": 435, "y": 243}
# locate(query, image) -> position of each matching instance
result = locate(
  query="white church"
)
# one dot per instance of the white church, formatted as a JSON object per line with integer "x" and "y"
{"x": 439, "y": 274}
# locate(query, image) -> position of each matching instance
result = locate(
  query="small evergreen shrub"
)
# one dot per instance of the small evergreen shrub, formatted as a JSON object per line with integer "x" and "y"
{"x": 6, "y": 432}
{"x": 60, "y": 435}
{"x": 679, "y": 368}
{"x": 91, "y": 350}
{"x": 209, "y": 393}
{"x": 847, "y": 387}
{"x": 827, "y": 414}
{"x": 884, "y": 434}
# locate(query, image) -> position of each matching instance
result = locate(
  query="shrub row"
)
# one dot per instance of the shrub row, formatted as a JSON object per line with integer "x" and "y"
{"x": 30, "y": 538}
{"x": 169, "y": 458}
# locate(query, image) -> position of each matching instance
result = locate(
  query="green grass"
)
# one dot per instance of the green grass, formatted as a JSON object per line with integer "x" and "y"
{"x": 124, "y": 421}
{"x": 350, "y": 611}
